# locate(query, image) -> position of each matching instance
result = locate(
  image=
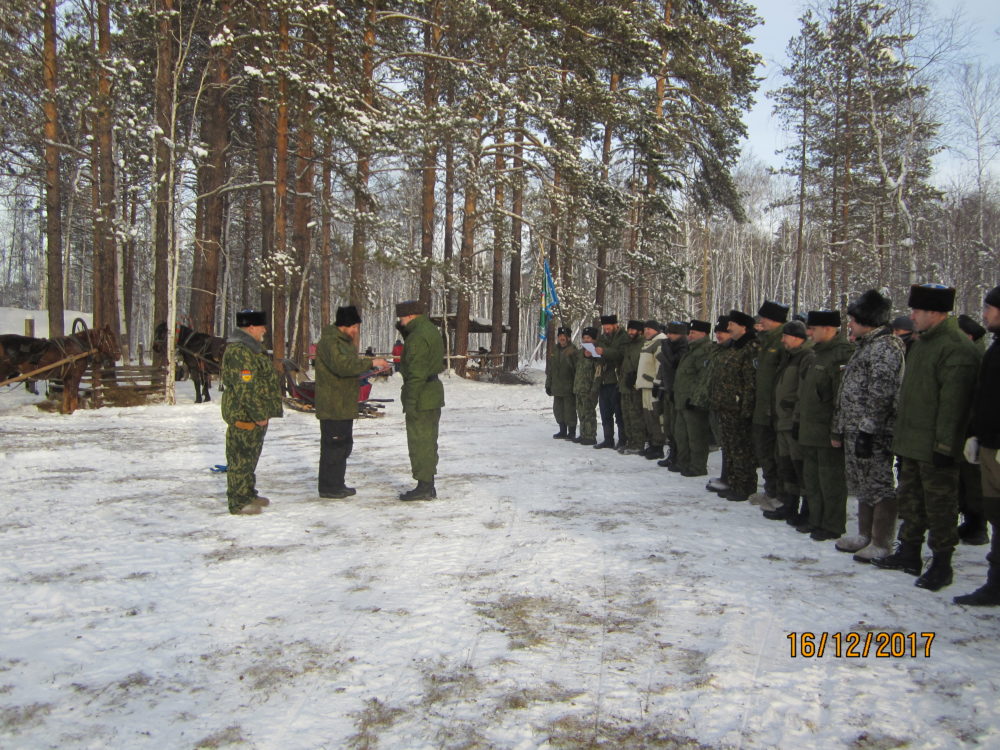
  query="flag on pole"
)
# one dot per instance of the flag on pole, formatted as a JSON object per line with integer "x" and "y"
{"x": 550, "y": 300}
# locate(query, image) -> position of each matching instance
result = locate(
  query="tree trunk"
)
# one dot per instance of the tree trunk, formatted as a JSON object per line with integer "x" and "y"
{"x": 163, "y": 102}
{"x": 301, "y": 219}
{"x": 279, "y": 322}
{"x": 500, "y": 244}
{"x": 469, "y": 208}
{"x": 432, "y": 38}
{"x": 106, "y": 256}
{"x": 53, "y": 186}
{"x": 514, "y": 292}
{"x": 362, "y": 200}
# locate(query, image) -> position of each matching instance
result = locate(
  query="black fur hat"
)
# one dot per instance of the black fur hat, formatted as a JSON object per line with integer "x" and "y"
{"x": 589, "y": 331}
{"x": 773, "y": 311}
{"x": 823, "y": 318}
{"x": 564, "y": 331}
{"x": 677, "y": 326}
{"x": 246, "y": 318}
{"x": 871, "y": 309}
{"x": 741, "y": 319}
{"x": 993, "y": 297}
{"x": 795, "y": 328}
{"x": 654, "y": 324}
{"x": 609, "y": 320}
{"x": 722, "y": 324}
{"x": 701, "y": 325}
{"x": 635, "y": 325}
{"x": 971, "y": 327}
{"x": 346, "y": 316}
{"x": 934, "y": 297}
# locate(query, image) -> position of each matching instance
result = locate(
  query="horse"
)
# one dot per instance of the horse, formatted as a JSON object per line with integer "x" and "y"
{"x": 15, "y": 349}
{"x": 201, "y": 352}
{"x": 101, "y": 342}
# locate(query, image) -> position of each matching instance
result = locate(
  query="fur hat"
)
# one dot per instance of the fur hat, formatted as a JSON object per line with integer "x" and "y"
{"x": 902, "y": 323}
{"x": 635, "y": 325}
{"x": 971, "y": 327}
{"x": 722, "y": 324}
{"x": 678, "y": 326}
{"x": 794, "y": 328}
{"x": 741, "y": 319}
{"x": 246, "y": 318}
{"x": 609, "y": 320}
{"x": 934, "y": 297}
{"x": 823, "y": 318}
{"x": 701, "y": 325}
{"x": 589, "y": 331}
{"x": 346, "y": 316}
{"x": 871, "y": 309}
{"x": 655, "y": 325}
{"x": 992, "y": 297}
{"x": 773, "y": 311}
{"x": 564, "y": 331}
{"x": 409, "y": 307}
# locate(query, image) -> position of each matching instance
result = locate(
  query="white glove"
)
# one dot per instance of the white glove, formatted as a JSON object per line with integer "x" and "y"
{"x": 971, "y": 450}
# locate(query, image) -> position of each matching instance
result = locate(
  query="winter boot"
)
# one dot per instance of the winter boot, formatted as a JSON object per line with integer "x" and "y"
{"x": 938, "y": 574}
{"x": 562, "y": 432}
{"x": 883, "y": 530}
{"x": 717, "y": 485}
{"x": 587, "y": 441}
{"x": 866, "y": 514}
{"x": 423, "y": 491}
{"x": 906, "y": 558}
{"x": 784, "y": 511}
{"x": 609, "y": 436}
{"x": 654, "y": 452}
{"x": 339, "y": 494}
{"x": 987, "y": 595}
{"x": 571, "y": 433}
{"x": 973, "y": 529}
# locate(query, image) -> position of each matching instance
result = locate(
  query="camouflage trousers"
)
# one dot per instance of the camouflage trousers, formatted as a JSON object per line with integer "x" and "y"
{"x": 737, "y": 450}
{"x": 651, "y": 415}
{"x": 692, "y": 434}
{"x": 870, "y": 479}
{"x": 928, "y": 504}
{"x": 825, "y": 488}
{"x": 635, "y": 425}
{"x": 564, "y": 409}
{"x": 242, "y": 453}
{"x": 765, "y": 450}
{"x": 422, "y": 442}
{"x": 586, "y": 414}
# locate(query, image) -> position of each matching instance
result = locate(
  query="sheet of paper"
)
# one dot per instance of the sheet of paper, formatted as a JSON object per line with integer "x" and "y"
{"x": 590, "y": 348}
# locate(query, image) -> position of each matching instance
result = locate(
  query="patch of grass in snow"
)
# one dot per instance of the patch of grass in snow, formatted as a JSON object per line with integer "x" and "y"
{"x": 69, "y": 574}
{"x": 449, "y": 685}
{"x": 16, "y": 718}
{"x": 876, "y": 741}
{"x": 232, "y": 735}
{"x": 523, "y": 698}
{"x": 579, "y": 732}
{"x": 235, "y": 552}
{"x": 276, "y": 665}
{"x": 373, "y": 719}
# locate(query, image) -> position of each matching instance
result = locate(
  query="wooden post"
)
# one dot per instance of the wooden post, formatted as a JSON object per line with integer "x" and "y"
{"x": 29, "y": 327}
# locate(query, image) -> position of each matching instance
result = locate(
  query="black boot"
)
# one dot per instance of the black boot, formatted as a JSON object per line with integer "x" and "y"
{"x": 562, "y": 432}
{"x": 609, "y": 436}
{"x": 905, "y": 558}
{"x": 571, "y": 433}
{"x": 987, "y": 595}
{"x": 938, "y": 574}
{"x": 654, "y": 452}
{"x": 423, "y": 491}
{"x": 973, "y": 530}
{"x": 586, "y": 441}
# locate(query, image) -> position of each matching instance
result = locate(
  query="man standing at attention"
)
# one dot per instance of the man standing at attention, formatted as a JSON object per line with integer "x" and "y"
{"x": 337, "y": 369}
{"x": 251, "y": 398}
{"x": 560, "y": 372}
{"x": 422, "y": 395}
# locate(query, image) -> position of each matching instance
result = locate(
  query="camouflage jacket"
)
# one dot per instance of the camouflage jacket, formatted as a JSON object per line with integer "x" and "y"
{"x": 794, "y": 364}
{"x": 337, "y": 369}
{"x": 251, "y": 391}
{"x": 587, "y": 376}
{"x": 818, "y": 391}
{"x": 734, "y": 378}
{"x": 560, "y": 371}
{"x": 702, "y": 395}
{"x": 613, "y": 346}
{"x": 936, "y": 393}
{"x": 768, "y": 359}
{"x": 870, "y": 385}
{"x": 692, "y": 369}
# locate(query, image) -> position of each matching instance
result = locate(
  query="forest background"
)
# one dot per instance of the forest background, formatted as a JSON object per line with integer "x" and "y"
{"x": 179, "y": 160}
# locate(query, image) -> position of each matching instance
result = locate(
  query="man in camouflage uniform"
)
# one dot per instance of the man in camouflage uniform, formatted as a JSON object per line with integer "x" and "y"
{"x": 338, "y": 368}
{"x": 722, "y": 341}
{"x": 865, "y": 415}
{"x": 560, "y": 371}
{"x": 734, "y": 385}
{"x": 251, "y": 397}
{"x": 611, "y": 348}
{"x": 631, "y": 398}
{"x": 422, "y": 395}
{"x": 984, "y": 446}
{"x": 647, "y": 385}
{"x": 586, "y": 385}
{"x": 691, "y": 430}
{"x": 671, "y": 352}
{"x": 772, "y": 316}
{"x": 931, "y": 421}
{"x": 822, "y": 450}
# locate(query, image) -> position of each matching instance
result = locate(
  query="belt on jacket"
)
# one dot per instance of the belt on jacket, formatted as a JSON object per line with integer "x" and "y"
{"x": 245, "y": 425}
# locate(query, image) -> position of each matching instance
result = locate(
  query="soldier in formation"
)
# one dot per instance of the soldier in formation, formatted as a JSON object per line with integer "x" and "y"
{"x": 586, "y": 386}
{"x": 560, "y": 374}
{"x": 648, "y": 385}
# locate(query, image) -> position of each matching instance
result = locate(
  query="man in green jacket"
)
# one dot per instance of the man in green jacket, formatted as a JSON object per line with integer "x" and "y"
{"x": 611, "y": 349}
{"x": 422, "y": 394}
{"x": 251, "y": 397}
{"x": 691, "y": 430}
{"x": 560, "y": 371}
{"x": 822, "y": 451}
{"x": 586, "y": 384}
{"x": 634, "y": 435}
{"x": 773, "y": 316}
{"x": 932, "y": 416}
{"x": 338, "y": 368}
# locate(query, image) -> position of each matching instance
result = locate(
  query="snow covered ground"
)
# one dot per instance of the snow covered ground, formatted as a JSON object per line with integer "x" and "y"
{"x": 554, "y": 596}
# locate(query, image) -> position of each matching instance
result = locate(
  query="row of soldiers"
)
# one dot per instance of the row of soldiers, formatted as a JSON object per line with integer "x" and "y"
{"x": 822, "y": 412}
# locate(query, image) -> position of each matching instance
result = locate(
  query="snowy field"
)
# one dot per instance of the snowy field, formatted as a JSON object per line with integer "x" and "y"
{"x": 553, "y": 597}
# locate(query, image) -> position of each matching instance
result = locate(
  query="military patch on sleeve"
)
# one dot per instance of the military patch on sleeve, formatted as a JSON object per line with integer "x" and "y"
{"x": 246, "y": 376}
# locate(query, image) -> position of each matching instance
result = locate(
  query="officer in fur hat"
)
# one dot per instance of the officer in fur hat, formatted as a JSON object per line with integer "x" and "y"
{"x": 933, "y": 412}
{"x": 338, "y": 367}
{"x": 772, "y": 316}
{"x": 560, "y": 372}
{"x": 251, "y": 397}
{"x": 611, "y": 349}
{"x": 586, "y": 384}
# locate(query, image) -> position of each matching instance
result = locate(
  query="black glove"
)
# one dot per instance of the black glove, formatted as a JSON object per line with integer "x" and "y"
{"x": 864, "y": 445}
{"x": 630, "y": 380}
{"x": 548, "y": 391}
{"x": 941, "y": 461}
{"x": 657, "y": 391}
{"x": 795, "y": 431}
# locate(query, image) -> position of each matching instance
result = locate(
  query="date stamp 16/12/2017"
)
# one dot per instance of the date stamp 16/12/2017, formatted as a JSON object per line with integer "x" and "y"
{"x": 860, "y": 645}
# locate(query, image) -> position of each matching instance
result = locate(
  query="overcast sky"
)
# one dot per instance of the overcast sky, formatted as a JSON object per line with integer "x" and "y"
{"x": 781, "y": 24}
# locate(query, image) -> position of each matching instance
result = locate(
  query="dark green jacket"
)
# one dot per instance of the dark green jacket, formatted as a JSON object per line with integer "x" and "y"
{"x": 586, "y": 380}
{"x": 560, "y": 371}
{"x": 702, "y": 396}
{"x": 629, "y": 367}
{"x": 768, "y": 359}
{"x": 614, "y": 352}
{"x": 251, "y": 391}
{"x": 422, "y": 361}
{"x": 934, "y": 399}
{"x": 792, "y": 369}
{"x": 819, "y": 389}
{"x": 337, "y": 369}
{"x": 692, "y": 371}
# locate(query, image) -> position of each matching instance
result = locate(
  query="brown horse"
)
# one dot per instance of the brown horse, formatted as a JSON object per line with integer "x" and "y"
{"x": 200, "y": 352}
{"x": 80, "y": 349}
{"x": 14, "y": 350}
